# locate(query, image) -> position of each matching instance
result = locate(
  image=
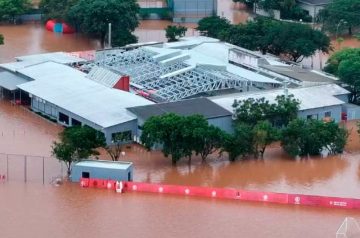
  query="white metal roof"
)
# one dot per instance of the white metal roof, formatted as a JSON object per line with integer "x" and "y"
{"x": 10, "y": 80}
{"x": 14, "y": 66}
{"x": 310, "y": 97}
{"x": 58, "y": 57}
{"x": 105, "y": 164}
{"x": 69, "y": 89}
{"x": 103, "y": 76}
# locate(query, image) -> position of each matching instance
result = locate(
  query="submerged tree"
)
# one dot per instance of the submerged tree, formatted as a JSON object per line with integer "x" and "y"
{"x": 311, "y": 137}
{"x": 346, "y": 65}
{"x": 92, "y": 17}
{"x": 118, "y": 140}
{"x": 341, "y": 14}
{"x": 213, "y": 26}
{"x": 9, "y": 9}
{"x": 77, "y": 143}
{"x": 173, "y": 33}
{"x": 56, "y": 9}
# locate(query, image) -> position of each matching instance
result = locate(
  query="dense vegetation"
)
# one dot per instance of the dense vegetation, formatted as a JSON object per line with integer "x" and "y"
{"x": 341, "y": 15}
{"x": 9, "y": 9}
{"x": 56, "y": 9}
{"x": 1, "y": 39}
{"x": 346, "y": 65}
{"x": 288, "y": 8}
{"x": 257, "y": 124}
{"x": 92, "y": 17}
{"x": 292, "y": 41}
{"x": 173, "y": 33}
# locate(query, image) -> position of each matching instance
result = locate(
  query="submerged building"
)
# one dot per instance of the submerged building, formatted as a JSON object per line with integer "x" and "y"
{"x": 119, "y": 89}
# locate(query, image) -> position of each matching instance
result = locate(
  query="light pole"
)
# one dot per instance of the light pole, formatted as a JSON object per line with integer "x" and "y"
{"x": 342, "y": 21}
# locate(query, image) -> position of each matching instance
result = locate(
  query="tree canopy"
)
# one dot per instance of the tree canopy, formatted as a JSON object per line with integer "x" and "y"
{"x": 292, "y": 41}
{"x": 1, "y": 39}
{"x": 310, "y": 137}
{"x": 288, "y": 8}
{"x": 77, "y": 143}
{"x": 56, "y": 9}
{"x": 180, "y": 136}
{"x": 346, "y": 65}
{"x": 92, "y": 17}
{"x": 9, "y": 9}
{"x": 341, "y": 14}
{"x": 173, "y": 33}
{"x": 212, "y": 26}
{"x": 279, "y": 113}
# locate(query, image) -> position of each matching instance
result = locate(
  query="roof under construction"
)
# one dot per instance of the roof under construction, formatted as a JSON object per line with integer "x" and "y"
{"x": 175, "y": 71}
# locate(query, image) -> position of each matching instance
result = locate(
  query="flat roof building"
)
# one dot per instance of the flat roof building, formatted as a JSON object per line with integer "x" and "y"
{"x": 102, "y": 169}
{"x": 213, "y": 113}
{"x": 315, "y": 102}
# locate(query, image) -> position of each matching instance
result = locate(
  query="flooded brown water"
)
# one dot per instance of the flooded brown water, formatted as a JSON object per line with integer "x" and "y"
{"x": 44, "y": 211}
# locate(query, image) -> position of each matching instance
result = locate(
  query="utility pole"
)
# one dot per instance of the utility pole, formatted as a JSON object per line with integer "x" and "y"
{"x": 109, "y": 40}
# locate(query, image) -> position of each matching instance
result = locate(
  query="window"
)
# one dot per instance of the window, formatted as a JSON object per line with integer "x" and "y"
{"x": 313, "y": 116}
{"x": 75, "y": 122}
{"x": 327, "y": 114}
{"x": 121, "y": 136}
{"x": 63, "y": 118}
{"x": 85, "y": 175}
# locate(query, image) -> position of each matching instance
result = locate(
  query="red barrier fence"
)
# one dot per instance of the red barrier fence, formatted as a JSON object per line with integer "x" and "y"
{"x": 228, "y": 193}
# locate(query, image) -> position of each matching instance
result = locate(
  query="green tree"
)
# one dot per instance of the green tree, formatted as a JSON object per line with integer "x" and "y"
{"x": 288, "y": 8}
{"x": 92, "y": 17}
{"x": 56, "y": 9}
{"x": 167, "y": 131}
{"x": 240, "y": 144}
{"x": 263, "y": 135}
{"x": 173, "y": 33}
{"x": 291, "y": 40}
{"x": 121, "y": 37}
{"x": 77, "y": 143}
{"x": 207, "y": 140}
{"x": 118, "y": 140}
{"x": 252, "y": 111}
{"x": 1, "y": 39}
{"x": 213, "y": 26}
{"x": 345, "y": 65}
{"x": 9, "y": 9}
{"x": 341, "y": 14}
{"x": 310, "y": 137}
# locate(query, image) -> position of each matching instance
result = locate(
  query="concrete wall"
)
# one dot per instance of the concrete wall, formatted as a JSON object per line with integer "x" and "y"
{"x": 320, "y": 112}
{"x": 49, "y": 109}
{"x": 313, "y": 10}
{"x": 101, "y": 173}
{"x": 224, "y": 123}
{"x": 343, "y": 97}
{"x": 127, "y": 126}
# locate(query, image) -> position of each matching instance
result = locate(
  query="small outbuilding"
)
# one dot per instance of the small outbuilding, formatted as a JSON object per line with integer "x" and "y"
{"x": 102, "y": 169}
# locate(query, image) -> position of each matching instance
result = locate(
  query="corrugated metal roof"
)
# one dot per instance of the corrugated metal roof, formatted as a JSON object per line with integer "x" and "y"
{"x": 58, "y": 57}
{"x": 200, "y": 106}
{"x": 105, "y": 164}
{"x": 103, "y": 76}
{"x": 10, "y": 81}
{"x": 69, "y": 89}
{"x": 310, "y": 97}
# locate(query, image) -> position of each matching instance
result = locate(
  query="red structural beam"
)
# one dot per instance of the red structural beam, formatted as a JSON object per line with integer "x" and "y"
{"x": 228, "y": 193}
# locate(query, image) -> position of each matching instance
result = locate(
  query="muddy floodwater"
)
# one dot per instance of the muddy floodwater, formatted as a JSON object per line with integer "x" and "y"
{"x": 35, "y": 210}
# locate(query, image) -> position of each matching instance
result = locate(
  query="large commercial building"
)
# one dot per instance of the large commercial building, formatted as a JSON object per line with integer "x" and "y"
{"x": 328, "y": 101}
{"x": 118, "y": 90}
